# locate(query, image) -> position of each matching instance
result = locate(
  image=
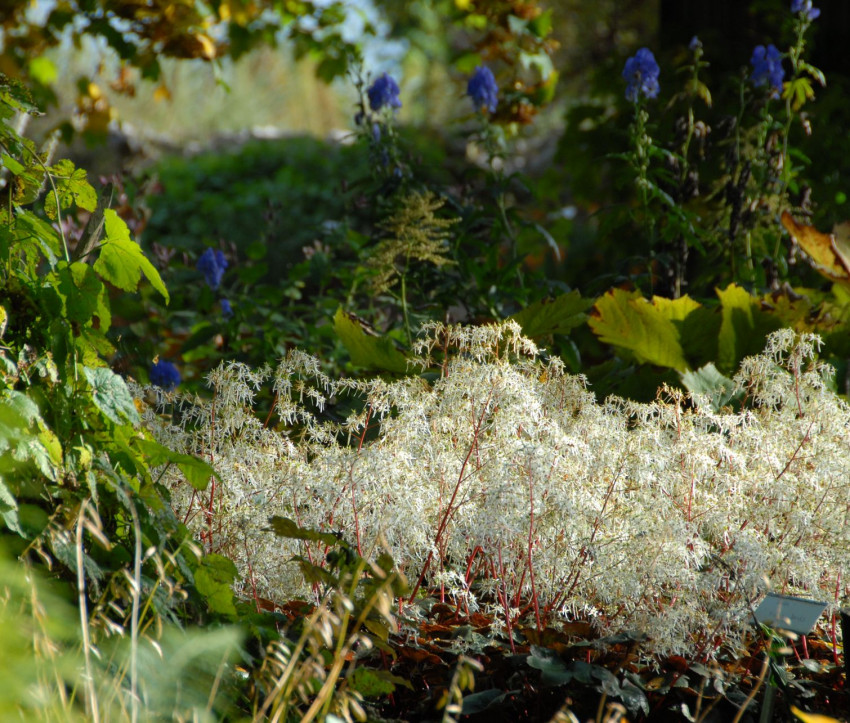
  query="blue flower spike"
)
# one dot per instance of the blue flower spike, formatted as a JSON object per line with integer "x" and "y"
{"x": 805, "y": 7}
{"x": 212, "y": 265}
{"x": 164, "y": 374}
{"x": 384, "y": 92}
{"x": 226, "y": 308}
{"x": 641, "y": 73}
{"x": 483, "y": 90}
{"x": 767, "y": 68}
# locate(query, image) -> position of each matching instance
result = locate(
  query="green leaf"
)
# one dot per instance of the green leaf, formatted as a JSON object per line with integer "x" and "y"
{"x": 553, "y": 316}
{"x": 744, "y": 327}
{"x": 35, "y": 233}
{"x": 799, "y": 90}
{"x": 15, "y": 168}
{"x": 372, "y": 683}
{"x": 111, "y": 395}
{"x": 9, "y": 509}
{"x": 484, "y": 700}
{"x": 121, "y": 261}
{"x": 196, "y": 471}
{"x": 284, "y": 527}
{"x": 541, "y": 26}
{"x": 710, "y": 383}
{"x": 71, "y": 186}
{"x": 647, "y": 330}
{"x": 372, "y": 352}
{"x": 213, "y": 579}
{"x": 81, "y": 292}
{"x": 554, "y": 670}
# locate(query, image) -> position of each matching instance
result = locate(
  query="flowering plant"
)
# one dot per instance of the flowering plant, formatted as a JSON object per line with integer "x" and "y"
{"x": 482, "y": 89}
{"x": 503, "y": 485}
{"x": 641, "y": 74}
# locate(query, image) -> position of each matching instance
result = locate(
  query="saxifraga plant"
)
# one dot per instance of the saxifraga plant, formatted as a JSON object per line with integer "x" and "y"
{"x": 498, "y": 483}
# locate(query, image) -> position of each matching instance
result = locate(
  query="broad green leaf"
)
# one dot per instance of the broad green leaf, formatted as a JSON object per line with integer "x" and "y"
{"x": 213, "y": 579}
{"x": 9, "y": 509}
{"x": 697, "y": 326}
{"x": 370, "y": 683}
{"x": 81, "y": 291}
{"x": 484, "y": 700}
{"x": 71, "y": 186}
{"x": 627, "y": 320}
{"x": 553, "y": 316}
{"x": 17, "y": 409}
{"x": 196, "y": 471}
{"x": 554, "y": 670}
{"x": 710, "y": 383}
{"x": 31, "y": 231}
{"x": 121, "y": 261}
{"x": 372, "y": 352}
{"x": 284, "y": 527}
{"x": 744, "y": 327}
{"x": 15, "y": 168}
{"x": 111, "y": 395}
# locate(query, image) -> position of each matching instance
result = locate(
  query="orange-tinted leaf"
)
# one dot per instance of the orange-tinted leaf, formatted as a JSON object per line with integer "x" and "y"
{"x": 830, "y": 254}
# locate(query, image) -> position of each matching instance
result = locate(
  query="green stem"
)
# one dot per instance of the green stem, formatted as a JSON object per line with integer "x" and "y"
{"x": 404, "y": 309}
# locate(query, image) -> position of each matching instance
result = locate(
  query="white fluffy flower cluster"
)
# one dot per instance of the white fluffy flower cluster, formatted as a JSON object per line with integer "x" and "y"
{"x": 504, "y": 483}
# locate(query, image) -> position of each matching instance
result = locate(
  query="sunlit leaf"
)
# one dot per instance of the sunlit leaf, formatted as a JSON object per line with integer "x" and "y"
{"x": 121, "y": 261}
{"x": 196, "y": 471}
{"x": 213, "y": 579}
{"x": 373, "y": 352}
{"x": 111, "y": 396}
{"x": 284, "y": 527}
{"x": 646, "y": 329}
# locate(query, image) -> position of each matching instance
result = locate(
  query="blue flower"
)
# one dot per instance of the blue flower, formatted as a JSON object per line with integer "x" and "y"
{"x": 384, "y": 92}
{"x": 641, "y": 73}
{"x": 805, "y": 7}
{"x": 164, "y": 374}
{"x": 767, "y": 68}
{"x": 695, "y": 44}
{"x": 226, "y": 308}
{"x": 212, "y": 265}
{"x": 482, "y": 89}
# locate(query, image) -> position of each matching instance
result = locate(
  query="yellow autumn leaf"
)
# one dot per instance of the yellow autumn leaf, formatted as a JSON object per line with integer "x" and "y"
{"x": 829, "y": 253}
{"x": 812, "y": 717}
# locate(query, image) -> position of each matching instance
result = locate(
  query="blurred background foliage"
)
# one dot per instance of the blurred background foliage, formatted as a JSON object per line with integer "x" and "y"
{"x": 235, "y": 132}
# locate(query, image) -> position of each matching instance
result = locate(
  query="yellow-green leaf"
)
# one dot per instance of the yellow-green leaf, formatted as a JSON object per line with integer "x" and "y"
{"x": 646, "y": 329}
{"x": 743, "y": 328}
{"x": 214, "y": 578}
{"x": 196, "y": 471}
{"x": 121, "y": 261}
{"x": 373, "y": 352}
